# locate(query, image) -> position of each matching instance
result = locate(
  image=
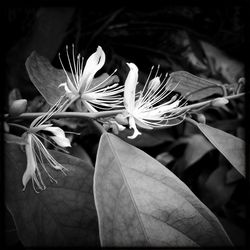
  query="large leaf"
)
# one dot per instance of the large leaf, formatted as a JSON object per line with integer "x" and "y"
{"x": 197, "y": 147}
{"x": 233, "y": 148}
{"x": 189, "y": 83}
{"x": 45, "y": 77}
{"x": 141, "y": 203}
{"x": 62, "y": 215}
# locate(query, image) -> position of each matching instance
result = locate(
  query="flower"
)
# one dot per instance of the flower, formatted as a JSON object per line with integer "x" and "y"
{"x": 146, "y": 109}
{"x": 81, "y": 83}
{"x": 36, "y": 152}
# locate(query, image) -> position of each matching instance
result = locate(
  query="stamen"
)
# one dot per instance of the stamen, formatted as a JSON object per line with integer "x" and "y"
{"x": 73, "y": 73}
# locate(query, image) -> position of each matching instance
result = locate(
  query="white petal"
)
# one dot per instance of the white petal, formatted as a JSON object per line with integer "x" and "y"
{"x": 59, "y": 137}
{"x": 93, "y": 64}
{"x": 69, "y": 93}
{"x": 119, "y": 126}
{"x": 61, "y": 141}
{"x": 133, "y": 126}
{"x": 142, "y": 124}
{"x": 129, "y": 88}
{"x": 168, "y": 107}
{"x": 31, "y": 162}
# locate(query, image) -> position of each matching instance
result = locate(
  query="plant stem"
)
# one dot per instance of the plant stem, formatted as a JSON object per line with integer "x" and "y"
{"x": 200, "y": 104}
{"x": 113, "y": 112}
{"x": 68, "y": 115}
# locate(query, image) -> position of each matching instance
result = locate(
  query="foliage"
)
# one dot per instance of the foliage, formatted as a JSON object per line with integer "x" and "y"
{"x": 182, "y": 185}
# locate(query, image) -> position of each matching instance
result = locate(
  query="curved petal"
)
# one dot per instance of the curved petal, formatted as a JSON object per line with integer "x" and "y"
{"x": 133, "y": 126}
{"x": 93, "y": 64}
{"x": 168, "y": 107}
{"x": 142, "y": 124}
{"x": 129, "y": 88}
{"x": 31, "y": 162}
{"x": 59, "y": 137}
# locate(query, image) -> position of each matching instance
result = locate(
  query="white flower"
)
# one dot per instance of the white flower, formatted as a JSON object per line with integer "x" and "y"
{"x": 147, "y": 110}
{"x": 81, "y": 83}
{"x": 36, "y": 152}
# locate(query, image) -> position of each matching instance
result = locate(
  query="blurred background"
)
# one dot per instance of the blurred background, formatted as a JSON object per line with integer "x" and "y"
{"x": 207, "y": 40}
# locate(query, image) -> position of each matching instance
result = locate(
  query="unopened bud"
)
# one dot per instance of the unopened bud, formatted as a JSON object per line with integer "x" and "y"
{"x": 201, "y": 118}
{"x": 242, "y": 80}
{"x": 6, "y": 127}
{"x": 114, "y": 128}
{"x": 18, "y": 107}
{"x": 121, "y": 119}
{"x": 218, "y": 102}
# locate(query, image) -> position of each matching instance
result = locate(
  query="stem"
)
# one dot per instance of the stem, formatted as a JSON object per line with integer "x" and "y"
{"x": 112, "y": 112}
{"x": 68, "y": 114}
{"x": 18, "y": 126}
{"x": 99, "y": 127}
{"x": 200, "y": 104}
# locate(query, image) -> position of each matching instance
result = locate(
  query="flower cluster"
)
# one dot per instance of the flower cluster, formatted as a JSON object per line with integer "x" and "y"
{"x": 153, "y": 107}
{"x": 81, "y": 83}
{"x": 148, "y": 108}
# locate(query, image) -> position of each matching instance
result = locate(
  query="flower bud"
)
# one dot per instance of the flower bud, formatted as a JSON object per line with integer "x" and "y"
{"x": 201, "y": 118}
{"x": 218, "y": 102}
{"x": 121, "y": 119}
{"x": 6, "y": 127}
{"x": 18, "y": 107}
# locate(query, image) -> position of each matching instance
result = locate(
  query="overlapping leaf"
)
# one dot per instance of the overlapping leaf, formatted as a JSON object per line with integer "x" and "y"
{"x": 62, "y": 215}
{"x": 189, "y": 83}
{"x": 233, "y": 148}
{"x": 45, "y": 77}
{"x": 141, "y": 203}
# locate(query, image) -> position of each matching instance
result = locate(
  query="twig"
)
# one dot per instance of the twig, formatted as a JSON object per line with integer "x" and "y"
{"x": 112, "y": 112}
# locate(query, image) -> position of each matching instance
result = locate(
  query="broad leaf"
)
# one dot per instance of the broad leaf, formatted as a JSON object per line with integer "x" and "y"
{"x": 10, "y": 138}
{"x": 45, "y": 77}
{"x": 141, "y": 203}
{"x": 62, "y": 215}
{"x": 189, "y": 83}
{"x": 216, "y": 192}
{"x": 232, "y": 148}
{"x": 197, "y": 146}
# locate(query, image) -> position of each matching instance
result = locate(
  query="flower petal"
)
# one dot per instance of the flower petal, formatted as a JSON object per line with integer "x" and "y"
{"x": 93, "y": 64}
{"x": 31, "y": 162}
{"x": 59, "y": 137}
{"x": 129, "y": 88}
{"x": 133, "y": 126}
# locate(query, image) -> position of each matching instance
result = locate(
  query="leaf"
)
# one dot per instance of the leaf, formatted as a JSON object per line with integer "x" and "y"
{"x": 231, "y": 147}
{"x": 45, "y": 77}
{"x": 189, "y": 83}
{"x": 216, "y": 192}
{"x": 10, "y": 138}
{"x": 62, "y": 215}
{"x": 141, "y": 203}
{"x": 78, "y": 151}
{"x": 197, "y": 146}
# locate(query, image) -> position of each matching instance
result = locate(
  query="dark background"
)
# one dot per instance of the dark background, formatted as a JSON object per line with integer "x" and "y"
{"x": 144, "y": 32}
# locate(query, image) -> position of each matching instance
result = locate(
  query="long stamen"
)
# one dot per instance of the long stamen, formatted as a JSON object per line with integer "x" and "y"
{"x": 74, "y": 63}
{"x": 73, "y": 73}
